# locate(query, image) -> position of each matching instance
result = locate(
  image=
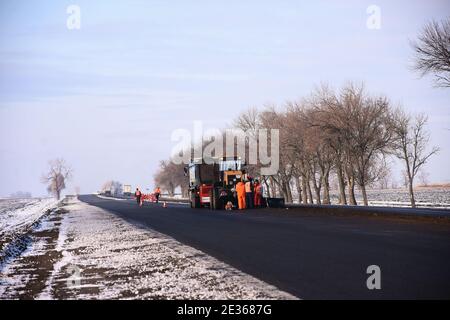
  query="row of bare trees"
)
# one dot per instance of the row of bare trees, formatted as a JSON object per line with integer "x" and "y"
{"x": 348, "y": 134}
{"x": 345, "y": 136}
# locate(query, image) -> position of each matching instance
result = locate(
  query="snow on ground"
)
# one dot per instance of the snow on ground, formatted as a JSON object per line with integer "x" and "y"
{"x": 17, "y": 218}
{"x": 425, "y": 197}
{"x": 84, "y": 252}
{"x": 17, "y": 214}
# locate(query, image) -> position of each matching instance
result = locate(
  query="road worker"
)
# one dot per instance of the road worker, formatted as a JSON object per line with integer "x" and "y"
{"x": 258, "y": 194}
{"x": 240, "y": 189}
{"x": 138, "y": 195}
{"x": 249, "y": 194}
{"x": 157, "y": 194}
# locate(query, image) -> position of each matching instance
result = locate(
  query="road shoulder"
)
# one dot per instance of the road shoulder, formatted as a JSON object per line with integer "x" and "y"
{"x": 84, "y": 252}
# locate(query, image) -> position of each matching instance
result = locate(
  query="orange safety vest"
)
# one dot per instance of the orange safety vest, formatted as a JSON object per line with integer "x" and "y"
{"x": 248, "y": 186}
{"x": 240, "y": 189}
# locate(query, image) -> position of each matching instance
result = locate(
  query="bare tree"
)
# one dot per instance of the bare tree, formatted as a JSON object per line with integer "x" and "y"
{"x": 424, "y": 178}
{"x": 320, "y": 164}
{"x": 411, "y": 146}
{"x": 59, "y": 172}
{"x": 357, "y": 126}
{"x": 384, "y": 175}
{"x": 332, "y": 119}
{"x": 248, "y": 120}
{"x": 295, "y": 143}
{"x": 170, "y": 176}
{"x": 327, "y": 140}
{"x": 432, "y": 52}
{"x": 370, "y": 134}
{"x": 270, "y": 118}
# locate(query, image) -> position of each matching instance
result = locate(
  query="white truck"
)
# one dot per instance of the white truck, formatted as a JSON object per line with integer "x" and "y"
{"x": 126, "y": 190}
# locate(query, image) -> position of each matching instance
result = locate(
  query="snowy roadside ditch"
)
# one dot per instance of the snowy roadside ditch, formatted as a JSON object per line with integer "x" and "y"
{"x": 18, "y": 217}
{"x": 84, "y": 252}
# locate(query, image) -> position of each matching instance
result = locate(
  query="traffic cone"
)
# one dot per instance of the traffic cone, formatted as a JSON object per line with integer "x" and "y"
{"x": 164, "y": 204}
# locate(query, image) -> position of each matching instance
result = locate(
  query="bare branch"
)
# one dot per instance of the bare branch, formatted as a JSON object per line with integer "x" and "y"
{"x": 432, "y": 52}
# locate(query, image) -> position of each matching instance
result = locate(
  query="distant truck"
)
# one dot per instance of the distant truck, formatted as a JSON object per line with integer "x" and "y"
{"x": 126, "y": 190}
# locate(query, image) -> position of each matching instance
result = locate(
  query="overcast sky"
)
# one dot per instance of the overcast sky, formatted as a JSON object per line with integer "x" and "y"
{"x": 106, "y": 97}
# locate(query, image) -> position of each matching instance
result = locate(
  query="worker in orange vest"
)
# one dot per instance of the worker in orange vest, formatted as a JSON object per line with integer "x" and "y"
{"x": 240, "y": 189}
{"x": 157, "y": 194}
{"x": 138, "y": 196}
{"x": 249, "y": 193}
{"x": 258, "y": 194}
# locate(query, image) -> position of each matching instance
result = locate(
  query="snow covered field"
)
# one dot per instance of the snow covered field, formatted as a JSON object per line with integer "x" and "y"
{"x": 17, "y": 217}
{"x": 16, "y": 214}
{"x": 425, "y": 197}
{"x": 83, "y": 252}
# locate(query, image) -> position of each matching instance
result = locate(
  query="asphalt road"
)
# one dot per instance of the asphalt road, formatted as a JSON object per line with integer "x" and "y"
{"x": 312, "y": 257}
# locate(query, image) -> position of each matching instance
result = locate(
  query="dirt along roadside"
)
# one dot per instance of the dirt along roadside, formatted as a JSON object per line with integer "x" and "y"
{"x": 84, "y": 252}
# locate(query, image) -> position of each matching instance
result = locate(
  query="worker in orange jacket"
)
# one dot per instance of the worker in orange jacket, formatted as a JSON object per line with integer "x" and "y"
{"x": 249, "y": 194}
{"x": 138, "y": 196}
{"x": 157, "y": 193}
{"x": 258, "y": 193}
{"x": 240, "y": 189}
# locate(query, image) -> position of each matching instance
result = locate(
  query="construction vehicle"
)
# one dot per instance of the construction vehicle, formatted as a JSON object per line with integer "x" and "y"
{"x": 213, "y": 184}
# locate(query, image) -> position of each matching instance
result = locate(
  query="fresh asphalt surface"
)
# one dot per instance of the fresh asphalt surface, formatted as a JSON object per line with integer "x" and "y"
{"x": 311, "y": 257}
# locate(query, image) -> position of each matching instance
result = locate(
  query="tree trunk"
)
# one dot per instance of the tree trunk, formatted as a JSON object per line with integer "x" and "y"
{"x": 273, "y": 187}
{"x": 351, "y": 193}
{"x": 411, "y": 193}
{"x": 410, "y": 181}
{"x": 286, "y": 190}
{"x": 316, "y": 189}
{"x": 351, "y": 188}
{"x": 304, "y": 190}
{"x": 289, "y": 191}
{"x": 310, "y": 196}
{"x": 316, "y": 186}
{"x": 326, "y": 188}
{"x": 340, "y": 176}
{"x": 267, "y": 186}
{"x": 364, "y": 194}
{"x": 299, "y": 188}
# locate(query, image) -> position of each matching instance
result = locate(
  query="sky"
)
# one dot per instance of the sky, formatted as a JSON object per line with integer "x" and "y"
{"x": 106, "y": 97}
